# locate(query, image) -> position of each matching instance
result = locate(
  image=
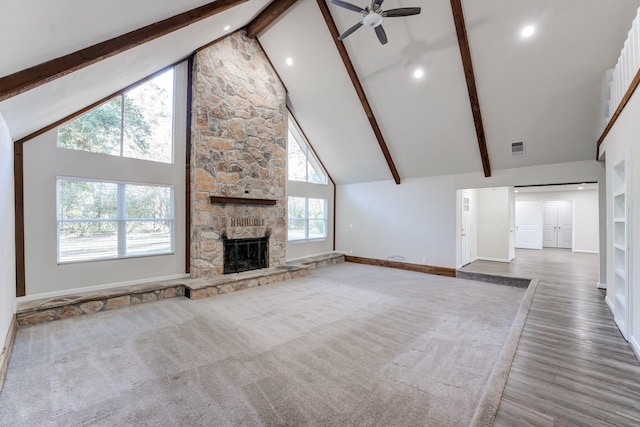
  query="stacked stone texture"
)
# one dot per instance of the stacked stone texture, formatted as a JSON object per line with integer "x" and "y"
{"x": 239, "y": 136}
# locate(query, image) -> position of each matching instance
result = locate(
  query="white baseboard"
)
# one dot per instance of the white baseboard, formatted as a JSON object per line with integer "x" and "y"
{"x": 584, "y": 251}
{"x": 602, "y": 285}
{"x": 635, "y": 346}
{"x": 609, "y": 303}
{"x": 98, "y": 287}
{"x": 483, "y": 258}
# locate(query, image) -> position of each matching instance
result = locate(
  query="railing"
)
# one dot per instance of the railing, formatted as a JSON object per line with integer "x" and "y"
{"x": 618, "y": 79}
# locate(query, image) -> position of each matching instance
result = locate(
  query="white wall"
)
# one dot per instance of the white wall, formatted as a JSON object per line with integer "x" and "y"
{"x": 624, "y": 138}
{"x": 417, "y": 219}
{"x": 43, "y": 162}
{"x": 586, "y": 218}
{"x": 7, "y": 233}
{"x": 493, "y": 224}
{"x": 296, "y": 250}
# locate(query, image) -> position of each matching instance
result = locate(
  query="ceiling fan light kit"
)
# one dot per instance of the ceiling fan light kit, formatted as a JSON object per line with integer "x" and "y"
{"x": 373, "y": 15}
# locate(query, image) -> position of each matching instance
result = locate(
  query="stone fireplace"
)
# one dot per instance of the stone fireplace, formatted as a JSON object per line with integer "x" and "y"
{"x": 238, "y": 154}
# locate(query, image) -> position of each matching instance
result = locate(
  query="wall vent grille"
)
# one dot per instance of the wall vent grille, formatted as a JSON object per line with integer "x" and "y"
{"x": 517, "y": 149}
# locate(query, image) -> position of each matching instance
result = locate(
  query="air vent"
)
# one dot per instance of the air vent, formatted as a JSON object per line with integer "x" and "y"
{"x": 517, "y": 149}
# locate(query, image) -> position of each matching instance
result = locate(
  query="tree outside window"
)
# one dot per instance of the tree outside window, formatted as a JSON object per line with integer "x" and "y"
{"x": 99, "y": 220}
{"x": 136, "y": 124}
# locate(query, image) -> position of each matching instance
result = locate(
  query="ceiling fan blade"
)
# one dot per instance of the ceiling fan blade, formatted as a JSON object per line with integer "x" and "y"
{"x": 350, "y": 31}
{"x": 348, "y": 6}
{"x": 402, "y": 11}
{"x": 382, "y": 36}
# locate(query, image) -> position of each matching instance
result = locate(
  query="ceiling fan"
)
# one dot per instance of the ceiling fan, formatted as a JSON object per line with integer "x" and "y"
{"x": 373, "y": 15}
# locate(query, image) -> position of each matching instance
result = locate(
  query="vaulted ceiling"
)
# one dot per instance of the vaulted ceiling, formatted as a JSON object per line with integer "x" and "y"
{"x": 545, "y": 90}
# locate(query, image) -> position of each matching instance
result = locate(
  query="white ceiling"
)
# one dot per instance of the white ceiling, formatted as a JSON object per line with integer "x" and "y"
{"x": 544, "y": 90}
{"x": 51, "y": 29}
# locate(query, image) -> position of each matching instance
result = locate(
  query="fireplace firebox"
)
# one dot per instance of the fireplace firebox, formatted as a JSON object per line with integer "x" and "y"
{"x": 245, "y": 254}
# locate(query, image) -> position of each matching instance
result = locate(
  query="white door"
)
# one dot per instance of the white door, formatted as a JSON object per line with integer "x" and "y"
{"x": 565, "y": 224}
{"x": 465, "y": 224}
{"x": 528, "y": 224}
{"x": 550, "y": 224}
{"x": 557, "y": 224}
{"x": 512, "y": 226}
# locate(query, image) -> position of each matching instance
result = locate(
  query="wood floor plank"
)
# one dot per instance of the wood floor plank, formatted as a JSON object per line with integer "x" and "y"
{"x": 572, "y": 366}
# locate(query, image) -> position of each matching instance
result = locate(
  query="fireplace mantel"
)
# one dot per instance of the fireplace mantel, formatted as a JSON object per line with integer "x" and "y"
{"x": 242, "y": 200}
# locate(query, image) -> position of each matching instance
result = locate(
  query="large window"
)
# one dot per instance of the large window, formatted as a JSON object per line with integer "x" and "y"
{"x": 101, "y": 220}
{"x": 137, "y": 124}
{"x": 307, "y": 218}
{"x": 302, "y": 164}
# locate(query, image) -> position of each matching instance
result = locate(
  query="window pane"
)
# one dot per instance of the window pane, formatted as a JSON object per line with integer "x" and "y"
{"x": 317, "y": 208}
{"x": 317, "y": 228}
{"x": 148, "y": 120}
{"x": 79, "y": 241}
{"x": 97, "y": 131}
{"x": 314, "y": 176}
{"x": 297, "y": 208}
{"x": 297, "y": 229}
{"x": 297, "y": 160}
{"x": 92, "y": 224}
{"x": 148, "y": 202}
{"x": 149, "y": 237}
{"x": 303, "y": 165}
{"x": 87, "y": 200}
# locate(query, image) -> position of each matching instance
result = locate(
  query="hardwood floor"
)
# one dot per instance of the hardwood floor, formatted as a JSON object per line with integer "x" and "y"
{"x": 572, "y": 366}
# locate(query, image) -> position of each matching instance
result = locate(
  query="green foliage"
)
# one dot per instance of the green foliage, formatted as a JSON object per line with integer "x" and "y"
{"x": 97, "y": 131}
{"x": 140, "y": 128}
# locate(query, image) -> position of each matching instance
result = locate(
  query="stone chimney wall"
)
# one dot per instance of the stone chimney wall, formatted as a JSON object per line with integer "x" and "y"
{"x": 238, "y": 149}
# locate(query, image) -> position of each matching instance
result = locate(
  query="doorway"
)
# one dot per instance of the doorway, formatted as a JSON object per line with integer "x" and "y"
{"x": 465, "y": 228}
{"x": 557, "y": 225}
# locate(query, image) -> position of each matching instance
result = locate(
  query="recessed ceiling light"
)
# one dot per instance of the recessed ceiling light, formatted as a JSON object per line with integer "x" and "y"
{"x": 227, "y": 28}
{"x": 528, "y": 31}
{"x": 580, "y": 188}
{"x": 289, "y": 61}
{"x": 515, "y": 191}
{"x": 418, "y": 73}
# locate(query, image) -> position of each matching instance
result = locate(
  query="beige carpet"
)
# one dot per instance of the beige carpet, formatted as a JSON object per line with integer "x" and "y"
{"x": 348, "y": 345}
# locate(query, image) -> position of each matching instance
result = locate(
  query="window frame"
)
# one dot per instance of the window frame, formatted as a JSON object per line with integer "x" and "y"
{"x": 120, "y": 219}
{"x": 310, "y": 157}
{"x": 307, "y": 219}
{"x": 122, "y": 96}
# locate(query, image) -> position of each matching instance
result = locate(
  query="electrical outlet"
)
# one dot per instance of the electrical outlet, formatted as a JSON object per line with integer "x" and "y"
{"x": 350, "y": 251}
{"x": 424, "y": 259}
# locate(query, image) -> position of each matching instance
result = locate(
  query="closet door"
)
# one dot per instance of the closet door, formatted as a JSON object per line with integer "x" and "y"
{"x": 550, "y": 224}
{"x": 557, "y": 225}
{"x": 565, "y": 224}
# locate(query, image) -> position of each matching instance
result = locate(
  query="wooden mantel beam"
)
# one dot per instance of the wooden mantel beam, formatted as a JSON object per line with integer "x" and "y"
{"x": 37, "y": 75}
{"x": 465, "y": 53}
{"x": 342, "y": 50}
{"x": 272, "y": 12}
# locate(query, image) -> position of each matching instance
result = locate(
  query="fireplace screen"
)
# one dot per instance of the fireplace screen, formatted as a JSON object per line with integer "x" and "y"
{"x": 245, "y": 254}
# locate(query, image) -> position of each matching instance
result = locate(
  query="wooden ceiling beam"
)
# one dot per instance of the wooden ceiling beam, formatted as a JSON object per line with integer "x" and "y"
{"x": 272, "y": 12}
{"x": 342, "y": 50}
{"x": 465, "y": 53}
{"x": 40, "y": 74}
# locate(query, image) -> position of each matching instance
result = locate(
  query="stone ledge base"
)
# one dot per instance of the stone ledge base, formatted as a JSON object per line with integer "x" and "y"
{"x": 48, "y": 309}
